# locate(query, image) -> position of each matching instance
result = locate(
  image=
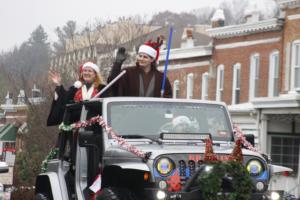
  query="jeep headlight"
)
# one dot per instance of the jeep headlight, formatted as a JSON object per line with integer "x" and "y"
{"x": 164, "y": 166}
{"x": 254, "y": 167}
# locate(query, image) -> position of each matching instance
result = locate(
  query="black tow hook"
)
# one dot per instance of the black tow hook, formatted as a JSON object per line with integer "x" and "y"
{"x": 175, "y": 196}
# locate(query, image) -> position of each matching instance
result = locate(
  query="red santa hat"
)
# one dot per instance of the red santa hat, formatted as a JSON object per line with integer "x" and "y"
{"x": 91, "y": 65}
{"x": 151, "y": 48}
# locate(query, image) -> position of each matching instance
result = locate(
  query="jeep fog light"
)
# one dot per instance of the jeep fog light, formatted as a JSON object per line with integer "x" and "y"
{"x": 164, "y": 166}
{"x": 275, "y": 196}
{"x": 160, "y": 195}
{"x": 260, "y": 186}
{"x": 162, "y": 184}
{"x": 254, "y": 167}
{"x": 208, "y": 168}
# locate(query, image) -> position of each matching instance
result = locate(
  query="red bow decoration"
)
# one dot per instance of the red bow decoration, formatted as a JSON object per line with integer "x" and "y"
{"x": 174, "y": 182}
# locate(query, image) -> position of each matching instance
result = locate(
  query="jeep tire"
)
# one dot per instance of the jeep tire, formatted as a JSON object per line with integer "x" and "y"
{"x": 112, "y": 193}
{"x": 41, "y": 196}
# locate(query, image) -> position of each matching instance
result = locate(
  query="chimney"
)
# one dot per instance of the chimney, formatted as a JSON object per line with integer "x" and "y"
{"x": 21, "y": 98}
{"x": 253, "y": 17}
{"x": 8, "y": 99}
{"x": 35, "y": 92}
{"x": 187, "y": 38}
{"x": 251, "y": 13}
{"x": 218, "y": 19}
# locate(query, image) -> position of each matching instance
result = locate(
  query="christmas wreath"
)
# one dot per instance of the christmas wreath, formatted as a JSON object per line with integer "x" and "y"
{"x": 237, "y": 186}
{"x": 226, "y": 180}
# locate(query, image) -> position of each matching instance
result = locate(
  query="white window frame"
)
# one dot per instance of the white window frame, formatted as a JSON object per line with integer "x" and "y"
{"x": 295, "y": 65}
{"x": 204, "y": 86}
{"x": 254, "y": 75}
{"x": 220, "y": 82}
{"x": 281, "y": 154}
{"x": 175, "y": 89}
{"x": 273, "y": 74}
{"x": 236, "y": 82}
{"x": 189, "y": 85}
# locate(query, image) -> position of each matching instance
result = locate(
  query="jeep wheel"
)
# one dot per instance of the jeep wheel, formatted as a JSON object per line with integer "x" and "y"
{"x": 116, "y": 194}
{"x": 287, "y": 196}
{"x": 41, "y": 196}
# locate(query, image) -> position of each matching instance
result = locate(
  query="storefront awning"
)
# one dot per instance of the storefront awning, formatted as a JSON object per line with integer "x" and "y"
{"x": 8, "y": 133}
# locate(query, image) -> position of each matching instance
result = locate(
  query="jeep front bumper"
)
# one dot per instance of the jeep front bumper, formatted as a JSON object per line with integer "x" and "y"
{"x": 157, "y": 194}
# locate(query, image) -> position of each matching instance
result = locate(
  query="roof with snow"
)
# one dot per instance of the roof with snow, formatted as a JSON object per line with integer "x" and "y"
{"x": 246, "y": 29}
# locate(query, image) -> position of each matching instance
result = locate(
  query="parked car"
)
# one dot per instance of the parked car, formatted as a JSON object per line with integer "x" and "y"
{"x": 169, "y": 131}
{"x": 1, "y": 191}
{"x": 3, "y": 167}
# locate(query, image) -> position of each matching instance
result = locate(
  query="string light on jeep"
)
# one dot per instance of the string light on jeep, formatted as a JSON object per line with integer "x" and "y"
{"x": 182, "y": 167}
{"x": 192, "y": 167}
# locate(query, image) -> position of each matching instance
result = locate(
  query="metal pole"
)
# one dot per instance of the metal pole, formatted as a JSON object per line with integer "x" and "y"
{"x": 110, "y": 84}
{"x": 162, "y": 91}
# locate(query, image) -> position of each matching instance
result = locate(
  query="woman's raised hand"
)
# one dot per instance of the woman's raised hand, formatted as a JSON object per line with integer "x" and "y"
{"x": 55, "y": 77}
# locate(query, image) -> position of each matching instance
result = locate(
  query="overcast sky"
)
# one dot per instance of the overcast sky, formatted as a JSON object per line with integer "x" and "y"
{"x": 18, "y": 18}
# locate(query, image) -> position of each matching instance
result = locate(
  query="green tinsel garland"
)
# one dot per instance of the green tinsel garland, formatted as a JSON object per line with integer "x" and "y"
{"x": 211, "y": 182}
{"x": 53, "y": 154}
{"x": 65, "y": 127}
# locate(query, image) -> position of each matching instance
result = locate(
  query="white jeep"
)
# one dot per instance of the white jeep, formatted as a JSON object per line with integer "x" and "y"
{"x": 170, "y": 132}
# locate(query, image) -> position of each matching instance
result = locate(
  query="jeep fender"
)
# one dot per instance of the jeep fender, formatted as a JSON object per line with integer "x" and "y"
{"x": 277, "y": 169}
{"x": 131, "y": 172}
{"x": 48, "y": 183}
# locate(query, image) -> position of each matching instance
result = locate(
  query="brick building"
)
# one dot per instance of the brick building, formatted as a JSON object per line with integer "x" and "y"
{"x": 255, "y": 68}
{"x": 13, "y": 126}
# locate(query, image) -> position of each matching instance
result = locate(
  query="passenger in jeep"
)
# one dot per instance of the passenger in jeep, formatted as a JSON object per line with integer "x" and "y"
{"x": 89, "y": 84}
{"x": 144, "y": 79}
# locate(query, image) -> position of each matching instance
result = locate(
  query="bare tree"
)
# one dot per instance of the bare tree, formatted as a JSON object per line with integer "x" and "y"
{"x": 98, "y": 42}
{"x": 23, "y": 67}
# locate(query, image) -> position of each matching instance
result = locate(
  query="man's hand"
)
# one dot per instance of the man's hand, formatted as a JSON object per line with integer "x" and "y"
{"x": 121, "y": 55}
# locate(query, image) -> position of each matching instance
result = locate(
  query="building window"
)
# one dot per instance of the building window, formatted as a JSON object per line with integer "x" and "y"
{"x": 295, "y": 66}
{"x": 273, "y": 89}
{"x": 254, "y": 76}
{"x": 285, "y": 150}
{"x": 204, "y": 86}
{"x": 220, "y": 82}
{"x": 190, "y": 86}
{"x": 176, "y": 89}
{"x": 236, "y": 83}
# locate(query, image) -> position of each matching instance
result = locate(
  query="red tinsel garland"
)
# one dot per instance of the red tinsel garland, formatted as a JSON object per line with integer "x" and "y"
{"x": 121, "y": 141}
{"x": 241, "y": 136}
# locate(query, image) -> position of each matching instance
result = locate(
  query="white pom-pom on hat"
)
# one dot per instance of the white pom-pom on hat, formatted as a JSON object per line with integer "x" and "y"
{"x": 77, "y": 84}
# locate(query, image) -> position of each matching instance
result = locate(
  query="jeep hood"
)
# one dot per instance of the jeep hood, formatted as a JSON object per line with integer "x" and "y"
{"x": 157, "y": 150}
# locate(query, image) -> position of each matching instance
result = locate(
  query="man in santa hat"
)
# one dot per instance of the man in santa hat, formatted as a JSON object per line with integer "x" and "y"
{"x": 144, "y": 79}
{"x": 89, "y": 84}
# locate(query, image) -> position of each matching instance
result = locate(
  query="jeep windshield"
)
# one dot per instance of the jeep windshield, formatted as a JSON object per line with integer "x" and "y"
{"x": 150, "y": 118}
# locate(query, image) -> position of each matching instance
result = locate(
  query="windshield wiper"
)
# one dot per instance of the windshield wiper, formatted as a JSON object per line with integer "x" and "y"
{"x": 140, "y": 137}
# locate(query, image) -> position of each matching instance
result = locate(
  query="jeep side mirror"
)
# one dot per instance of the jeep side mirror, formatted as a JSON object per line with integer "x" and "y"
{"x": 250, "y": 139}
